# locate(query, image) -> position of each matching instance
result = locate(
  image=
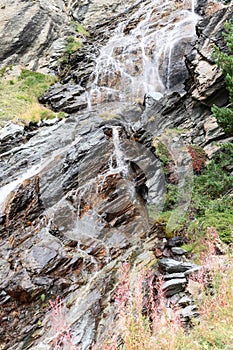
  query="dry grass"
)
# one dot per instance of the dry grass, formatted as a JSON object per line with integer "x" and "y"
{"x": 144, "y": 323}
{"x": 35, "y": 112}
{"x": 19, "y": 96}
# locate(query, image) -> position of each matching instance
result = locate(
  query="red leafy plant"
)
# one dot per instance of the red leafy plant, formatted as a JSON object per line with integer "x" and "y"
{"x": 198, "y": 156}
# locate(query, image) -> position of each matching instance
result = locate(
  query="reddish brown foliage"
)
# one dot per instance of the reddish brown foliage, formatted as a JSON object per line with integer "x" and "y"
{"x": 198, "y": 157}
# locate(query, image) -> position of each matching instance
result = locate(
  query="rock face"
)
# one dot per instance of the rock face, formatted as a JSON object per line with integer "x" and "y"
{"x": 77, "y": 196}
{"x": 82, "y": 208}
{"x": 119, "y": 63}
{"x": 208, "y": 84}
{"x": 34, "y": 34}
{"x": 30, "y": 31}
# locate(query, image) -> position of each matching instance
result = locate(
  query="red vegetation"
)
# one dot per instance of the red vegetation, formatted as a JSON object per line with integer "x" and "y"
{"x": 198, "y": 156}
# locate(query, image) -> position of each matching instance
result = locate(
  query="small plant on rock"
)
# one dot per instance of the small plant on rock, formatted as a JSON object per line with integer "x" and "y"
{"x": 198, "y": 158}
{"x": 63, "y": 338}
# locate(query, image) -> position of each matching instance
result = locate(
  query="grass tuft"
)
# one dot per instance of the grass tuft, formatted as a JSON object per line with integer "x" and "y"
{"x": 19, "y": 96}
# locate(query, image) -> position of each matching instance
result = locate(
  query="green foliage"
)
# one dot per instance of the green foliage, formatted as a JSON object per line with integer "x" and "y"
{"x": 224, "y": 118}
{"x": 42, "y": 297}
{"x": 80, "y": 29}
{"x": 3, "y": 70}
{"x": 161, "y": 151}
{"x": 73, "y": 44}
{"x": 171, "y": 196}
{"x": 19, "y": 95}
{"x": 61, "y": 114}
{"x": 221, "y": 220}
{"x": 212, "y": 203}
{"x": 224, "y": 60}
{"x": 217, "y": 179}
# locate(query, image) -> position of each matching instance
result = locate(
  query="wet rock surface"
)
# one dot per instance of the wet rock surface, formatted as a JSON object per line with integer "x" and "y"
{"x": 80, "y": 209}
{"x": 75, "y": 195}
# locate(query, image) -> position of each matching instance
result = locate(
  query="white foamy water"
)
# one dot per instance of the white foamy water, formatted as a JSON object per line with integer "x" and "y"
{"x": 34, "y": 170}
{"x": 119, "y": 155}
{"x": 137, "y": 59}
{"x": 7, "y": 189}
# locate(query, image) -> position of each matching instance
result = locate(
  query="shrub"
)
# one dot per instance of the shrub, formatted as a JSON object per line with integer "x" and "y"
{"x": 224, "y": 115}
{"x": 198, "y": 157}
{"x": 217, "y": 178}
{"x": 212, "y": 202}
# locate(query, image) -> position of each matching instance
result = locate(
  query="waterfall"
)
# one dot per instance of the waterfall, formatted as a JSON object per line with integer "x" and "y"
{"x": 143, "y": 55}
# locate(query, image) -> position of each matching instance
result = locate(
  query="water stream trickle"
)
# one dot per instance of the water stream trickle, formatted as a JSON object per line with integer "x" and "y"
{"x": 119, "y": 155}
{"x": 34, "y": 170}
{"x": 193, "y": 7}
{"x": 7, "y": 189}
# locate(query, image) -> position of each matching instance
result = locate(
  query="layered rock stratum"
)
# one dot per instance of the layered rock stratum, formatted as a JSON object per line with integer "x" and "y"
{"x": 76, "y": 195}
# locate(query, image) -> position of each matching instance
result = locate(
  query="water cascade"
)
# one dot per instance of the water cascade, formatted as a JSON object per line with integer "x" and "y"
{"x": 100, "y": 183}
{"x": 144, "y": 55}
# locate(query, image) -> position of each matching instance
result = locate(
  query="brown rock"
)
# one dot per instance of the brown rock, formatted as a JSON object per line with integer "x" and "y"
{"x": 24, "y": 205}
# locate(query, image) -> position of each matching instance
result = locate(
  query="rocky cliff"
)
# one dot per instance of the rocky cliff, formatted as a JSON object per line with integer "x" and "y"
{"x": 82, "y": 195}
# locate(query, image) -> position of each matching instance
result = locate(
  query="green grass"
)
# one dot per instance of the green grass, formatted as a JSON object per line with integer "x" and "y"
{"x": 80, "y": 29}
{"x": 19, "y": 96}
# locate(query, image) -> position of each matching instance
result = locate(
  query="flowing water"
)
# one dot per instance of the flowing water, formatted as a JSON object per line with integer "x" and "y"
{"x": 193, "y": 7}
{"x": 105, "y": 204}
{"x": 118, "y": 153}
{"x": 140, "y": 57}
{"x": 144, "y": 53}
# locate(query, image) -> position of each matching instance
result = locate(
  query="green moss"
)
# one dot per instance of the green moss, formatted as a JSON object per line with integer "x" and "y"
{"x": 80, "y": 29}
{"x": 73, "y": 44}
{"x": 161, "y": 151}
